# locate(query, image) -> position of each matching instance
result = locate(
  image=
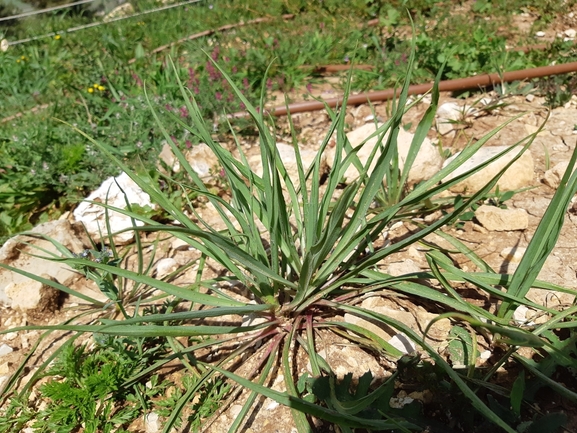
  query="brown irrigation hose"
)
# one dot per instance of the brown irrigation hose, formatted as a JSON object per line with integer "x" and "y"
{"x": 484, "y": 80}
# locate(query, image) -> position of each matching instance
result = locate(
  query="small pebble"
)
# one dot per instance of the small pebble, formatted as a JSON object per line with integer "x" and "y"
{"x": 165, "y": 266}
{"x": 520, "y": 314}
{"x": 5, "y": 349}
{"x": 540, "y": 34}
{"x": 570, "y": 33}
{"x": 402, "y": 343}
{"x": 152, "y": 423}
{"x": 273, "y": 405}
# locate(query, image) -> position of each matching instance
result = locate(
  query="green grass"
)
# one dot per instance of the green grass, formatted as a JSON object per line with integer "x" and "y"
{"x": 86, "y": 77}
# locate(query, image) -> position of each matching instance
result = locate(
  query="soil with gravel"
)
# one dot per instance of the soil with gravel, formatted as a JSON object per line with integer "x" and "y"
{"x": 500, "y": 249}
{"x": 553, "y": 145}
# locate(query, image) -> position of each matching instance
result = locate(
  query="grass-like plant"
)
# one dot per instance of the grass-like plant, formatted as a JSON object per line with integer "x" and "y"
{"x": 306, "y": 251}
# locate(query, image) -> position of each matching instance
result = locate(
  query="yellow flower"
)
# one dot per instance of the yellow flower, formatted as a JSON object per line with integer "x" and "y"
{"x": 101, "y": 88}
{"x": 56, "y": 37}
{"x": 95, "y": 86}
{"x": 90, "y": 90}
{"x": 23, "y": 57}
{"x": 17, "y": 60}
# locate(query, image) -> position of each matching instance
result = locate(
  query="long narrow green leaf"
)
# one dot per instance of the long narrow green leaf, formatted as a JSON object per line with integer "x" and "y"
{"x": 556, "y": 386}
{"x": 463, "y": 249}
{"x": 303, "y": 406}
{"x": 144, "y": 330}
{"x": 472, "y": 277}
{"x": 468, "y": 392}
{"x": 179, "y": 292}
{"x": 190, "y": 315}
{"x": 543, "y": 240}
{"x": 271, "y": 357}
{"x": 421, "y": 132}
{"x": 377, "y": 342}
{"x": 299, "y": 417}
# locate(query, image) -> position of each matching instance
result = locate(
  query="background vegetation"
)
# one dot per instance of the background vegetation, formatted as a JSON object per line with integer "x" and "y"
{"x": 87, "y": 78}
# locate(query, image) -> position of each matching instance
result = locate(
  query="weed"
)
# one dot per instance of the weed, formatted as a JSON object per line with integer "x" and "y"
{"x": 559, "y": 90}
{"x": 87, "y": 388}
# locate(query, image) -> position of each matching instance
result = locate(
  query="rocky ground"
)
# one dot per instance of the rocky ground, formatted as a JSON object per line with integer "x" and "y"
{"x": 498, "y": 236}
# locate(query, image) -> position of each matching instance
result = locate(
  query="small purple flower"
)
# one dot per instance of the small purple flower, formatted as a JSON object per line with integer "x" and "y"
{"x": 192, "y": 78}
{"x": 136, "y": 78}
{"x": 213, "y": 74}
{"x": 218, "y": 96}
{"x": 183, "y": 112}
{"x": 346, "y": 59}
{"x": 309, "y": 87}
{"x": 188, "y": 144}
{"x": 215, "y": 53}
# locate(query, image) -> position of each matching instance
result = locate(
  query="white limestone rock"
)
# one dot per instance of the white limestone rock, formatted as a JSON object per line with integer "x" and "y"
{"x": 165, "y": 266}
{"x": 33, "y": 297}
{"x": 519, "y": 175}
{"x": 5, "y": 349}
{"x": 427, "y": 163}
{"x": 289, "y": 159}
{"x": 553, "y": 176}
{"x": 18, "y": 252}
{"x": 500, "y": 220}
{"x": 202, "y": 160}
{"x": 449, "y": 115}
{"x": 114, "y": 191}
